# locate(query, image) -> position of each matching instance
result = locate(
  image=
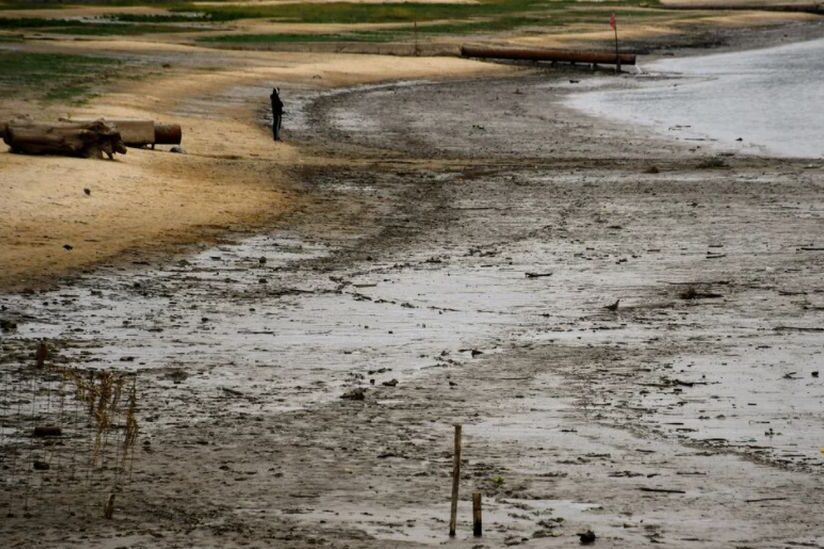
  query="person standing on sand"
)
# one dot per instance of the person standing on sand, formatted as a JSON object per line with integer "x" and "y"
{"x": 277, "y": 113}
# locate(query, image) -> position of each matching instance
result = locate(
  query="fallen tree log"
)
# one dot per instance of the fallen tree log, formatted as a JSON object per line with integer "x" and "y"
{"x": 134, "y": 133}
{"x": 722, "y": 5}
{"x": 562, "y": 56}
{"x": 89, "y": 140}
{"x": 139, "y": 133}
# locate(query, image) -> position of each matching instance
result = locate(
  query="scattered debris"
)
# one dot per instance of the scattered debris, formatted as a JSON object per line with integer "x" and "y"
{"x": 692, "y": 293}
{"x": 661, "y": 490}
{"x": 798, "y": 329}
{"x": 232, "y": 392}
{"x": 712, "y": 163}
{"x": 613, "y": 307}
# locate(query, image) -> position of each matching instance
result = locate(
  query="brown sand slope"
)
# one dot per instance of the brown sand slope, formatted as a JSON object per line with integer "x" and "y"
{"x": 231, "y": 177}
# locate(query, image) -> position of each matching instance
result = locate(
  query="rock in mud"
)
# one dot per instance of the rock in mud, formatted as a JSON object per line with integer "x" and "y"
{"x": 587, "y": 538}
{"x": 358, "y": 393}
{"x": 7, "y": 325}
{"x": 47, "y": 431}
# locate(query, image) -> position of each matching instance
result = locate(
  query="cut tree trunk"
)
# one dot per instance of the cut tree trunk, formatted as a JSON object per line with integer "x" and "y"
{"x": 139, "y": 133}
{"x": 89, "y": 140}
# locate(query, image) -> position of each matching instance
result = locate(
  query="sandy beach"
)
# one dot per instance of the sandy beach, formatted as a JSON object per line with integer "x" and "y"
{"x": 150, "y": 201}
{"x": 445, "y": 236}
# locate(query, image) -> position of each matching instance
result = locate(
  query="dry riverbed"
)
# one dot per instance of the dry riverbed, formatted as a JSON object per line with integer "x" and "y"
{"x": 453, "y": 257}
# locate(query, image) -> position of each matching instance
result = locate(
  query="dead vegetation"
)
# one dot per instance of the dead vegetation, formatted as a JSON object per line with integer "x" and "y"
{"x": 67, "y": 432}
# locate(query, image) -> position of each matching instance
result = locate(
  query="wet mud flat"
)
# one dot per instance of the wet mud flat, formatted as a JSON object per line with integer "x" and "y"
{"x": 454, "y": 259}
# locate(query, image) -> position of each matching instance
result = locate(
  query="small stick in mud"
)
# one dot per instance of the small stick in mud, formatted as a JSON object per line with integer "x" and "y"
{"x": 108, "y": 511}
{"x": 41, "y": 355}
{"x": 456, "y": 477}
{"x": 477, "y": 520}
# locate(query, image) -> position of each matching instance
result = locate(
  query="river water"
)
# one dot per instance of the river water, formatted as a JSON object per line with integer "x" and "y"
{"x": 765, "y": 101}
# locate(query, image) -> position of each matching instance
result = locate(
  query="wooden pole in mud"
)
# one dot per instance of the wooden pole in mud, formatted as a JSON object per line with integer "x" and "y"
{"x": 417, "y": 50}
{"x": 456, "y": 477}
{"x": 614, "y": 23}
{"x": 108, "y": 510}
{"x": 477, "y": 520}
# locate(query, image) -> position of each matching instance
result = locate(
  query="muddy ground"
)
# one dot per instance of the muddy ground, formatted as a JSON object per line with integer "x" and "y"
{"x": 689, "y": 416}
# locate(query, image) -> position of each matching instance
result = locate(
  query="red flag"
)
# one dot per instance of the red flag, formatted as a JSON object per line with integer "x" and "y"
{"x": 612, "y": 23}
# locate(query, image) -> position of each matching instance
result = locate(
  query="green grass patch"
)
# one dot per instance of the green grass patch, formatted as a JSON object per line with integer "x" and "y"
{"x": 382, "y": 35}
{"x": 52, "y": 4}
{"x": 87, "y": 27}
{"x": 35, "y": 23}
{"x": 351, "y": 13}
{"x": 282, "y": 38}
{"x": 560, "y": 15}
{"x": 54, "y": 77}
{"x": 488, "y": 16}
{"x": 93, "y": 29}
{"x": 182, "y": 17}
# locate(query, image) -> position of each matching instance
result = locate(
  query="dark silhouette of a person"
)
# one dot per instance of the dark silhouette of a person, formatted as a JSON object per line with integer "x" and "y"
{"x": 277, "y": 113}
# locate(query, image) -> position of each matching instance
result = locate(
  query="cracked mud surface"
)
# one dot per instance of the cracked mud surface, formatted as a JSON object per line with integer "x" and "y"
{"x": 689, "y": 416}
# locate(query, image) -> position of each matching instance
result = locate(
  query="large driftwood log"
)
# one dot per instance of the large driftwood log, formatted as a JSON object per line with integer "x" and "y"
{"x": 89, "y": 140}
{"x": 134, "y": 133}
{"x": 139, "y": 133}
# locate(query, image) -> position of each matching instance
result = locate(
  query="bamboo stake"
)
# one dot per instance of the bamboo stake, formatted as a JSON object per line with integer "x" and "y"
{"x": 477, "y": 521}
{"x": 456, "y": 477}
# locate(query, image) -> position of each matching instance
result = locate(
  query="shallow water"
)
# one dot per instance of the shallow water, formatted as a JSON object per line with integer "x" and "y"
{"x": 770, "y": 99}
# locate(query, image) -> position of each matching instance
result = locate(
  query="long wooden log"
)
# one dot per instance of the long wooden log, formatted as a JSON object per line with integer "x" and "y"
{"x": 134, "y": 133}
{"x": 139, "y": 133}
{"x": 90, "y": 140}
{"x": 563, "y": 56}
{"x": 721, "y": 5}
